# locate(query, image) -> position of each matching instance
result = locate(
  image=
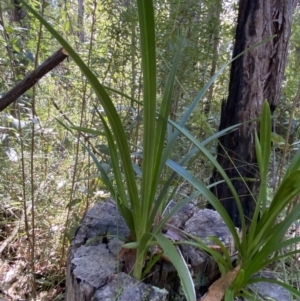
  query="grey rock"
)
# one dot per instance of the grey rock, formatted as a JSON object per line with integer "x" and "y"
{"x": 267, "y": 291}
{"x": 125, "y": 288}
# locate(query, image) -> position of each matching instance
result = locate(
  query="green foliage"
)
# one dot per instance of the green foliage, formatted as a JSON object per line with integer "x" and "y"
{"x": 262, "y": 244}
{"x": 137, "y": 208}
{"x": 111, "y": 49}
{"x": 138, "y": 205}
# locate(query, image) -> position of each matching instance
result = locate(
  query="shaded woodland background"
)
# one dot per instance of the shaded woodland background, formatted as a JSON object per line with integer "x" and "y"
{"x": 47, "y": 178}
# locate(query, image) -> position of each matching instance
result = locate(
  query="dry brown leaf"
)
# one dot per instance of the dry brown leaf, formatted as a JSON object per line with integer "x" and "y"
{"x": 129, "y": 257}
{"x": 217, "y": 290}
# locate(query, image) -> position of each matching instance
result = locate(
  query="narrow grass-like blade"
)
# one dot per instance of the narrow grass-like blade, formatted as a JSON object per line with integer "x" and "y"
{"x": 196, "y": 242}
{"x": 121, "y": 200}
{"x": 295, "y": 164}
{"x": 288, "y": 189}
{"x": 180, "y": 265}
{"x": 186, "y": 159}
{"x": 265, "y": 142}
{"x": 263, "y": 152}
{"x": 162, "y": 124}
{"x": 268, "y": 241}
{"x": 209, "y": 196}
{"x": 174, "y": 210}
{"x": 148, "y": 54}
{"x": 199, "y": 96}
{"x": 87, "y": 130}
{"x": 189, "y": 156}
{"x": 103, "y": 173}
{"x": 288, "y": 287}
{"x": 212, "y": 159}
{"x": 265, "y": 138}
{"x": 224, "y": 249}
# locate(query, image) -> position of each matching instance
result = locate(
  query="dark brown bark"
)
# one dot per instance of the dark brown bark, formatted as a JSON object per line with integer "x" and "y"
{"x": 17, "y": 14}
{"x": 255, "y": 76}
{"x": 31, "y": 79}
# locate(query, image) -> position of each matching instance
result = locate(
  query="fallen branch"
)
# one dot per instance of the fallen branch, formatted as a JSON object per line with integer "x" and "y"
{"x": 31, "y": 79}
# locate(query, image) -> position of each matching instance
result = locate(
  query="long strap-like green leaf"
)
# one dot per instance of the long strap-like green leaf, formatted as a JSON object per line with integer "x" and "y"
{"x": 148, "y": 53}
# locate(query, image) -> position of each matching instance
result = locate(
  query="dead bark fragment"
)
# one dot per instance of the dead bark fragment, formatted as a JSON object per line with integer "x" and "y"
{"x": 217, "y": 290}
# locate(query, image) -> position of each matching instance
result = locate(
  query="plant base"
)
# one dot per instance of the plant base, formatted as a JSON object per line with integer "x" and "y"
{"x": 95, "y": 273}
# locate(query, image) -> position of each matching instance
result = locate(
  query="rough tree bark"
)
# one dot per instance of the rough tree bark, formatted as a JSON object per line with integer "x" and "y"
{"x": 17, "y": 14}
{"x": 254, "y": 77}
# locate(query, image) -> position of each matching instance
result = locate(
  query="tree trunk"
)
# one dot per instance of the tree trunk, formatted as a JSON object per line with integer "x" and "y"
{"x": 255, "y": 77}
{"x": 17, "y": 14}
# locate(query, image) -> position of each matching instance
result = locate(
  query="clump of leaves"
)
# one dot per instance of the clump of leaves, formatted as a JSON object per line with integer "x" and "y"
{"x": 264, "y": 241}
